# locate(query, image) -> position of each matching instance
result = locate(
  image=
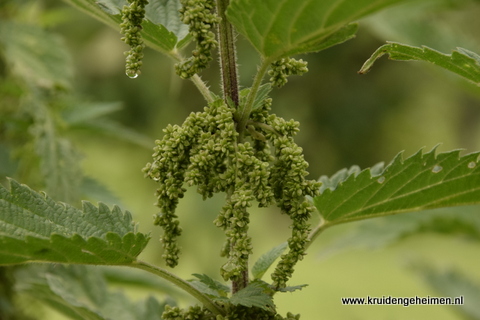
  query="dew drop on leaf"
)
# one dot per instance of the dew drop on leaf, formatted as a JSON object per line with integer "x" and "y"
{"x": 472, "y": 165}
{"x": 437, "y": 169}
{"x": 381, "y": 180}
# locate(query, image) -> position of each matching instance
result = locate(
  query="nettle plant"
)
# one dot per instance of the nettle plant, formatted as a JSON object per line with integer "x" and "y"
{"x": 236, "y": 147}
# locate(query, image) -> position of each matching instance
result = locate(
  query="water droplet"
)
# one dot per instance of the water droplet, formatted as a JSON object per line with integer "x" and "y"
{"x": 381, "y": 180}
{"x": 132, "y": 75}
{"x": 472, "y": 164}
{"x": 437, "y": 169}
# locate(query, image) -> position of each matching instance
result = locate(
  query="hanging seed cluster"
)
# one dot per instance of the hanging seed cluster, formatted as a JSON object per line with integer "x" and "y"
{"x": 131, "y": 26}
{"x": 233, "y": 313}
{"x": 204, "y": 152}
{"x": 200, "y": 16}
{"x": 281, "y": 69}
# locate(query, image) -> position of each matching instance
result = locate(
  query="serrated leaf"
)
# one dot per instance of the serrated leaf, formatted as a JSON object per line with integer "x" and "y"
{"x": 262, "y": 94}
{"x": 266, "y": 260}
{"x": 423, "y": 181}
{"x": 253, "y": 295}
{"x": 463, "y": 62}
{"x": 39, "y": 57}
{"x": 293, "y": 288}
{"x": 162, "y": 28}
{"x": 81, "y": 292}
{"x": 454, "y": 284}
{"x": 213, "y": 284}
{"x": 278, "y": 28}
{"x": 33, "y": 227}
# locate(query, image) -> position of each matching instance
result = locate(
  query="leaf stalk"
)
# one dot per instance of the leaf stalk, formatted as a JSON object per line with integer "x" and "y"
{"x": 179, "y": 282}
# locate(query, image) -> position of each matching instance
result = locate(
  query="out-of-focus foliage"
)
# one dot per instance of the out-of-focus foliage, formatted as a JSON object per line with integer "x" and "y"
{"x": 452, "y": 283}
{"x": 81, "y": 293}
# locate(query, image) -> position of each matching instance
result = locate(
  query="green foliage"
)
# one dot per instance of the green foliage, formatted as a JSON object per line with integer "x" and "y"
{"x": 282, "y": 28}
{"x": 36, "y": 228}
{"x": 422, "y": 181}
{"x": 462, "y": 61}
{"x": 213, "y": 287}
{"x": 452, "y": 283}
{"x": 253, "y": 295}
{"x": 36, "y": 55}
{"x": 81, "y": 292}
{"x": 266, "y": 260}
{"x": 387, "y": 231}
{"x": 162, "y": 30}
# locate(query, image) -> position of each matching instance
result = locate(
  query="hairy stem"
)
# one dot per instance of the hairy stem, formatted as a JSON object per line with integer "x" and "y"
{"x": 228, "y": 60}
{"x": 179, "y": 282}
{"x": 197, "y": 81}
{"x": 202, "y": 87}
{"x": 228, "y": 65}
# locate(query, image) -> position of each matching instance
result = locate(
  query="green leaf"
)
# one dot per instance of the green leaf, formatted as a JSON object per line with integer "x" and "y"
{"x": 81, "y": 292}
{"x": 162, "y": 28}
{"x": 423, "y": 181}
{"x": 278, "y": 28}
{"x": 293, "y": 288}
{"x": 59, "y": 163}
{"x": 266, "y": 260}
{"x": 463, "y": 62}
{"x": 34, "y": 228}
{"x": 219, "y": 288}
{"x": 262, "y": 94}
{"x": 253, "y": 295}
{"x": 454, "y": 284}
{"x": 38, "y": 56}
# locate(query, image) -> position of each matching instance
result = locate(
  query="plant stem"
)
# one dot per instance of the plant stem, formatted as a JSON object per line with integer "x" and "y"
{"x": 322, "y": 225}
{"x": 197, "y": 81}
{"x": 202, "y": 87}
{"x": 179, "y": 282}
{"x": 228, "y": 60}
{"x": 244, "y": 112}
{"x": 228, "y": 66}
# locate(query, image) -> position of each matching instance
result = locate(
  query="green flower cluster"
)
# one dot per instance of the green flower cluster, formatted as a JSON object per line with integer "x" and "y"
{"x": 240, "y": 312}
{"x": 196, "y": 153}
{"x": 287, "y": 181}
{"x": 192, "y": 313}
{"x": 201, "y": 18}
{"x": 233, "y": 313}
{"x": 281, "y": 69}
{"x": 269, "y": 168}
{"x": 132, "y": 16}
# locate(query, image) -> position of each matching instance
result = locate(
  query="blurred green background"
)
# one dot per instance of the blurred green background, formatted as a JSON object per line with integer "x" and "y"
{"x": 345, "y": 119}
